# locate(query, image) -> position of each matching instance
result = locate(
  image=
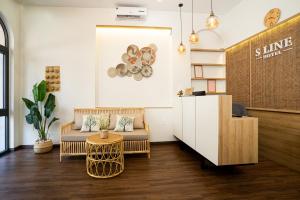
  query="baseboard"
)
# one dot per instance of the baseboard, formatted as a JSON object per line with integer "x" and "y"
{"x": 57, "y": 145}
{"x": 164, "y": 142}
{"x": 27, "y": 147}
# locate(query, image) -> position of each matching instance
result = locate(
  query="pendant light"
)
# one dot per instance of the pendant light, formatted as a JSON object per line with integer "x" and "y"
{"x": 212, "y": 21}
{"x": 181, "y": 48}
{"x": 194, "y": 37}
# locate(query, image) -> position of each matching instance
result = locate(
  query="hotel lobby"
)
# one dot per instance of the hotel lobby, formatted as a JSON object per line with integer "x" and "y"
{"x": 149, "y": 99}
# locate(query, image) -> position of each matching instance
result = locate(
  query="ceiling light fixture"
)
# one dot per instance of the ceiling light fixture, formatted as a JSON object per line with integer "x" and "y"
{"x": 212, "y": 21}
{"x": 181, "y": 48}
{"x": 194, "y": 37}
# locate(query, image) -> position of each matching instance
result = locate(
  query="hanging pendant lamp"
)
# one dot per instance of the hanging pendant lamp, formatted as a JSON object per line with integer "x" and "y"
{"x": 194, "y": 37}
{"x": 212, "y": 21}
{"x": 181, "y": 48}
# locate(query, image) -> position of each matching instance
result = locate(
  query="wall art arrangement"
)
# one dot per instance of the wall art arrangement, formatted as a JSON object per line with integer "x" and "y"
{"x": 52, "y": 76}
{"x": 137, "y": 63}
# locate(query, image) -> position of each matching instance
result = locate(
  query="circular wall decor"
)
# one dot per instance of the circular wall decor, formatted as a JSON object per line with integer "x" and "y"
{"x": 137, "y": 62}
{"x": 138, "y": 76}
{"x": 146, "y": 71}
{"x": 148, "y": 56}
{"x": 112, "y": 72}
{"x": 272, "y": 17}
{"x": 121, "y": 69}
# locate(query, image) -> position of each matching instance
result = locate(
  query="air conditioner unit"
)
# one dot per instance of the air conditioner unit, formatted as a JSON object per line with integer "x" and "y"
{"x": 131, "y": 12}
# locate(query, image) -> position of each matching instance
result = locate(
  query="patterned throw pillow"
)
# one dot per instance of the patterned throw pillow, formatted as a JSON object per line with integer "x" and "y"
{"x": 92, "y": 123}
{"x": 124, "y": 124}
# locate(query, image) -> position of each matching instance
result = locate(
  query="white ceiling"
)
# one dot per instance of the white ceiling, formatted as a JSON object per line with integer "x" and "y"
{"x": 202, "y": 6}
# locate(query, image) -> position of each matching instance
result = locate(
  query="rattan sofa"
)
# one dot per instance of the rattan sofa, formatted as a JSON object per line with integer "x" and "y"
{"x": 72, "y": 142}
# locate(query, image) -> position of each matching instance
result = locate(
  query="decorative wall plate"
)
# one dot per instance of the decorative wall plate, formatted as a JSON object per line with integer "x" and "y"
{"x": 125, "y": 58}
{"x": 146, "y": 71}
{"x": 148, "y": 56}
{"x": 137, "y": 63}
{"x": 134, "y": 69}
{"x": 272, "y": 17}
{"x": 153, "y": 47}
{"x": 112, "y": 72}
{"x": 121, "y": 69}
{"x": 138, "y": 76}
{"x": 133, "y": 53}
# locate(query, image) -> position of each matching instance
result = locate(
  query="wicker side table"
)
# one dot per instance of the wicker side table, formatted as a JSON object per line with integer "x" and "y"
{"x": 105, "y": 157}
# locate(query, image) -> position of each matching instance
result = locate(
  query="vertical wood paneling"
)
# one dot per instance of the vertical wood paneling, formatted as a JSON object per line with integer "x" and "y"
{"x": 238, "y": 73}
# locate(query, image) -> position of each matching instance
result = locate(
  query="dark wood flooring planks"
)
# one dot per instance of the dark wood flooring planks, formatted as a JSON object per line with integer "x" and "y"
{"x": 171, "y": 173}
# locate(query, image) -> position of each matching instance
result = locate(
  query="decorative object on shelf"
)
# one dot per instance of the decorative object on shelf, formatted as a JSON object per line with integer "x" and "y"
{"x": 272, "y": 17}
{"x": 181, "y": 48}
{"x": 194, "y": 37}
{"x": 198, "y": 71}
{"x": 40, "y": 112}
{"x": 137, "y": 63}
{"x": 188, "y": 91}
{"x": 212, "y": 21}
{"x": 52, "y": 76}
{"x": 211, "y": 86}
{"x": 180, "y": 93}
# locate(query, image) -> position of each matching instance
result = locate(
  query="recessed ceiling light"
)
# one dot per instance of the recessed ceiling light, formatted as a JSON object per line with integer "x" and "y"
{"x": 159, "y": 1}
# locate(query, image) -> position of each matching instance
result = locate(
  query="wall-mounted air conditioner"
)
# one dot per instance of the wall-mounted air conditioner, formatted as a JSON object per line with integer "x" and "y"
{"x": 131, "y": 12}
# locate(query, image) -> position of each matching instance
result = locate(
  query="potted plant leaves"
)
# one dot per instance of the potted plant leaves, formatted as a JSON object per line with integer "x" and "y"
{"x": 104, "y": 123}
{"x": 40, "y": 116}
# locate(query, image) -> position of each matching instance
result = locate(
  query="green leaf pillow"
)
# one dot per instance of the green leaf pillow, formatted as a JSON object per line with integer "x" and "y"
{"x": 124, "y": 124}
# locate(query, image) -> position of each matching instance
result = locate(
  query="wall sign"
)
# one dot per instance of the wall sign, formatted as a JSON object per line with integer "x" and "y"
{"x": 274, "y": 49}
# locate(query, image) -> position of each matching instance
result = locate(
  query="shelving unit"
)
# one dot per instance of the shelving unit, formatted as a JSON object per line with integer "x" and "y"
{"x": 212, "y": 70}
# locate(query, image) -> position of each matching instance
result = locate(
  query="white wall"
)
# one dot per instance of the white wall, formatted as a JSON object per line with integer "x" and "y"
{"x": 11, "y": 13}
{"x": 118, "y": 91}
{"x": 247, "y": 17}
{"x": 67, "y": 37}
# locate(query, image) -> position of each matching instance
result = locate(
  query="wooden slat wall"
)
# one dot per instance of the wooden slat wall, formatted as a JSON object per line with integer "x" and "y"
{"x": 279, "y": 137}
{"x": 274, "y": 85}
{"x": 238, "y": 73}
{"x": 266, "y": 83}
{"x": 275, "y": 82}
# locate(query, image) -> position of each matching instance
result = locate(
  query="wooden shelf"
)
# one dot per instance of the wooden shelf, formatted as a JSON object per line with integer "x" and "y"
{"x": 207, "y": 50}
{"x": 209, "y": 64}
{"x": 195, "y": 79}
{"x": 215, "y": 93}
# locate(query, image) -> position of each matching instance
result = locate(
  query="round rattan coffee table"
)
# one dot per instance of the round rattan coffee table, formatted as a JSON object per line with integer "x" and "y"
{"x": 105, "y": 157}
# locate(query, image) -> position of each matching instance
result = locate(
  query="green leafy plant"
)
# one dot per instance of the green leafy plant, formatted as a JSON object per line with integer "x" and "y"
{"x": 40, "y": 111}
{"x": 104, "y": 123}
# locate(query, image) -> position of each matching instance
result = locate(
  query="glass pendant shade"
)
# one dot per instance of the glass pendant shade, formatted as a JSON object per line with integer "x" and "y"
{"x": 212, "y": 21}
{"x": 194, "y": 38}
{"x": 181, "y": 48}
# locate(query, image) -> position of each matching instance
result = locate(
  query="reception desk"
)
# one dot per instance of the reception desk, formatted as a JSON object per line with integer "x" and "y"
{"x": 207, "y": 126}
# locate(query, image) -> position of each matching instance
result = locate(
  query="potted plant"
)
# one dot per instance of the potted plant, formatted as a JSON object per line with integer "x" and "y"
{"x": 104, "y": 123}
{"x": 40, "y": 112}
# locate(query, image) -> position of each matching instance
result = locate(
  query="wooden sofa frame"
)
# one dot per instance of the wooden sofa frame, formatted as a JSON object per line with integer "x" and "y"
{"x": 78, "y": 148}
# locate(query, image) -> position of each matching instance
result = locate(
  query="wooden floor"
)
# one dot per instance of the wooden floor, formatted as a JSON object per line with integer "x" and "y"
{"x": 171, "y": 173}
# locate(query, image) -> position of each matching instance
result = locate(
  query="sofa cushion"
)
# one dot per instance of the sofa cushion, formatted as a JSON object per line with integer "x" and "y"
{"x": 137, "y": 123}
{"x": 77, "y": 136}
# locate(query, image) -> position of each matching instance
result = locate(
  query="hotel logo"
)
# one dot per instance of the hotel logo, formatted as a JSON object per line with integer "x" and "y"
{"x": 274, "y": 49}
